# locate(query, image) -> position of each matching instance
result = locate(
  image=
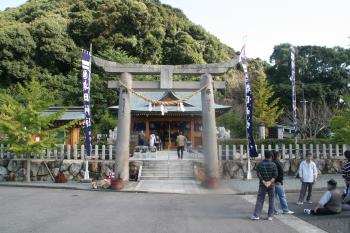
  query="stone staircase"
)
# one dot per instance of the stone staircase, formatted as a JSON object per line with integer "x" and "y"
{"x": 164, "y": 170}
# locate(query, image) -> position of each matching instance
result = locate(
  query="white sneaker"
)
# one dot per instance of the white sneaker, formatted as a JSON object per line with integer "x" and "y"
{"x": 309, "y": 202}
{"x": 269, "y": 218}
{"x": 300, "y": 203}
{"x": 307, "y": 211}
{"x": 254, "y": 218}
{"x": 288, "y": 212}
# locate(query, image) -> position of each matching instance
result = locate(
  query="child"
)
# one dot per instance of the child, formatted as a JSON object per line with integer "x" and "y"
{"x": 308, "y": 176}
{"x": 330, "y": 203}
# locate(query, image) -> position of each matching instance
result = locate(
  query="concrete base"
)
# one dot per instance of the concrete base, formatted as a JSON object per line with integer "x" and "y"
{"x": 117, "y": 184}
{"x": 86, "y": 181}
{"x": 212, "y": 183}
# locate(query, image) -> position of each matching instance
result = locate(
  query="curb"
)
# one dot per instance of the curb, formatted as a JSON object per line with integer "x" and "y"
{"x": 239, "y": 193}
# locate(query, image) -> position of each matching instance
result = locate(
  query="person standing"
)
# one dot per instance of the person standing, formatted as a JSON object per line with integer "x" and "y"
{"x": 330, "y": 202}
{"x": 346, "y": 169}
{"x": 267, "y": 173}
{"x": 308, "y": 176}
{"x": 180, "y": 143}
{"x": 280, "y": 194}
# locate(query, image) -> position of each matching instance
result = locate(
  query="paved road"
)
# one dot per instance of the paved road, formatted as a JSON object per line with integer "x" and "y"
{"x": 34, "y": 210}
{"x": 334, "y": 223}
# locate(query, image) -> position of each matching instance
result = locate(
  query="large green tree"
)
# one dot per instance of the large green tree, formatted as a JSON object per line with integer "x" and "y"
{"x": 266, "y": 107}
{"x": 322, "y": 73}
{"x": 44, "y": 38}
{"x": 340, "y": 123}
{"x": 22, "y": 120}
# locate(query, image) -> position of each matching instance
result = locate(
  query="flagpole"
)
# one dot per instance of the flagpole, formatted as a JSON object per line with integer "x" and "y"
{"x": 251, "y": 150}
{"x": 294, "y": 108}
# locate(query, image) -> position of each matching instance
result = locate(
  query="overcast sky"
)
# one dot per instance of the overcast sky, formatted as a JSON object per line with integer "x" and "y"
{"x": 265, "y": 23}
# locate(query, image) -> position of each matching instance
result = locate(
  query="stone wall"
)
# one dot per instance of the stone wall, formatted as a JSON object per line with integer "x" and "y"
{"x": 231, "y": 169}
{"x": 73, "y": 170}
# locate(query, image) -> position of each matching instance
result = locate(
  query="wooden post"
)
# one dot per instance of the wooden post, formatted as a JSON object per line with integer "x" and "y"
{"x": 234, "y": 151}
{"x": 1, "y": 151}
{"x": 220, "y": 152}
{"x": 311, "y": 149}
{"x": 297, "y": 151}
{"x": 337, "y": 150}
{"x": 103, "y": 156}
{"x": 68, "y": 151}
{"x": 304, "y": 150}
{"x": 330, "y": 150}
{"x": 324, "y": 151}
{"x": 192, "y": 132}
{"x": 283, "y": 151}
{"x": 82, "y": 152}
{"x": 262, "y": 151}
{"x": 241, "y": 151}
{"x": 227, "y": 152}
{"x": 317, "y": 151}
{"x": 290, "y": 151}
{"x": 55, "y": 154}
{"x": 62, "y": 152}
{"x": 96, "y": 151}
{"x": 75, "y": 151}
{"x": 110, "y": 152}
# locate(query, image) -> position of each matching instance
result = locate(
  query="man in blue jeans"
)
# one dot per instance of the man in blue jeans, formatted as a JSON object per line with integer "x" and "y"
{"x": 280, "y": 195}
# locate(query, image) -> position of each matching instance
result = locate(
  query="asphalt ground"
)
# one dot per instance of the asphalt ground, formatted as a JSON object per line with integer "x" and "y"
{"x": 40, "y": 210}
{"x": 339, "y": 223}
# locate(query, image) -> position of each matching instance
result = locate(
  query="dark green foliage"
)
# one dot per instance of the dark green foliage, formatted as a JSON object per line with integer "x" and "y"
{"x": 233, "y": 121}
{"x": 321, "y": 73}
{"x": 44, "y": 38}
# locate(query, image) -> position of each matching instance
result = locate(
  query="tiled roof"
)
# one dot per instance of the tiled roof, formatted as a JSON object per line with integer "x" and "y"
{"x": 193, "y": 105}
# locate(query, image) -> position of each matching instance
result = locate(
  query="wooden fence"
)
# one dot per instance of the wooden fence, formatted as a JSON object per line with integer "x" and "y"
{"x": 225, "y": 152}
{"x": 290, "y": 151}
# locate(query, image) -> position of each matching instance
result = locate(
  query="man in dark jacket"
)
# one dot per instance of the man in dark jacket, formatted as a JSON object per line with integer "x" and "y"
{"x": 267, "y": 173}
{"x": 330, "y": 202}
{"x": 280, "y": 194}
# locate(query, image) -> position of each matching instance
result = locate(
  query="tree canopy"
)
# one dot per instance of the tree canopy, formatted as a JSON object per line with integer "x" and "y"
{"x": 44, "y": 38}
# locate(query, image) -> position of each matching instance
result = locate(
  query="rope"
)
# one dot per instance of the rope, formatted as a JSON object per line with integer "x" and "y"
{"x": 165, "y": 103}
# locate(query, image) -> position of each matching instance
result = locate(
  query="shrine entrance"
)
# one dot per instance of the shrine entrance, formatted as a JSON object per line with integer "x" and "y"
{"x": 174, "y": 100}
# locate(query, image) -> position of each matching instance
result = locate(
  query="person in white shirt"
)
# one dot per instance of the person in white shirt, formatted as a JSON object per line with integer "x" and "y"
{"x": 308, "y": 176}
{"x": 330, "y": 202}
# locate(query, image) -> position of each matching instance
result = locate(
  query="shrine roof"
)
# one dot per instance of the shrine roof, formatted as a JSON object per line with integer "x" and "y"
{"x": 192, "y": 105}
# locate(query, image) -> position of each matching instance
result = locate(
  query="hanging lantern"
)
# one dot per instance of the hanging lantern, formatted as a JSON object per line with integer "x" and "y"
{"x": 162, "y": 109}
{"x": 182, "y": 107}
{"x": 150, "y": 107}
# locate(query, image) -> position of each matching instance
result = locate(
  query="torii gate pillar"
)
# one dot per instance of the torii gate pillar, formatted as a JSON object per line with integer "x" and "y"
{"x": 209, "y": 134}
{"x": 121, "y": 168}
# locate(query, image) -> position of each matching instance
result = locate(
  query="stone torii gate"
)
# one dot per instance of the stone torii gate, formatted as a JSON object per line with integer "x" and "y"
{"x": 166, "y": 82}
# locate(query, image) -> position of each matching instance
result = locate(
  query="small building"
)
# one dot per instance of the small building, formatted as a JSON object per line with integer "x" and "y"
{"x": 168, "y": 126}
{"x": 71, "y": 135}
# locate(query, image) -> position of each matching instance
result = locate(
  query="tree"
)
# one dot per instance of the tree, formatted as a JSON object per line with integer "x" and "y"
{"x": 22, "y": 121}
{"x": 340, "y": 123}
{"x": 266, "y": 108}
{"x": 321, "y": 73}
{"x": 317, "y": 119}
{"x": 234, "y": 122}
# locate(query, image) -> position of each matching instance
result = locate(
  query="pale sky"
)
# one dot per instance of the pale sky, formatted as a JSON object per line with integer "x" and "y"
{"x": 265, "y": 23}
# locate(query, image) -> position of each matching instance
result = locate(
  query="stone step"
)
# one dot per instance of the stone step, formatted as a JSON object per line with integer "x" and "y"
{"x": 167, "y": 178}
{"x": 170, "y": 172}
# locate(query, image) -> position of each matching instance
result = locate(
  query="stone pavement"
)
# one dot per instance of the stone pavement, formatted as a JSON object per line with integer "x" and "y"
{"x": 186, "y": 186}
{"x": 291, "y": 184}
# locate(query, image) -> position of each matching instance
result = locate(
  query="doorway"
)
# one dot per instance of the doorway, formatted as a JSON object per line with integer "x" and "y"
{"x": 169, "y": 130}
